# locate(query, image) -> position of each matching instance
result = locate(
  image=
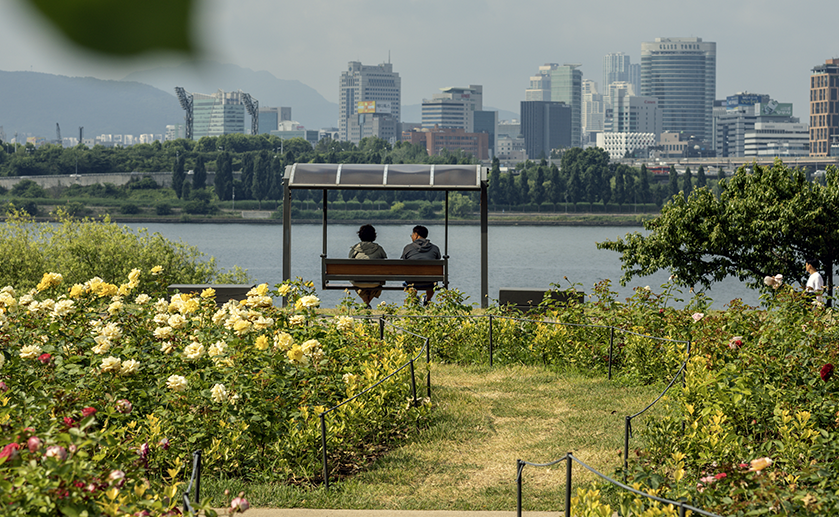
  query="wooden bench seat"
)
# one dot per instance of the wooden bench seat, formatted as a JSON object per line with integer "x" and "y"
{"x": 395, "y": 271}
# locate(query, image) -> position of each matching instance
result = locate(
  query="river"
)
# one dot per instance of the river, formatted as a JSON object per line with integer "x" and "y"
{"x": 519, "y": 255}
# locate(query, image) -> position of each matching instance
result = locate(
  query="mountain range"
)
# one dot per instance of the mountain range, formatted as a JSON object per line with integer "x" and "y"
{"x": 145, "y": 102}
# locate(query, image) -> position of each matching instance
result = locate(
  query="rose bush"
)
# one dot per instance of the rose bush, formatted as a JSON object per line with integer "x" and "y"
{"x": 111, "y": 380}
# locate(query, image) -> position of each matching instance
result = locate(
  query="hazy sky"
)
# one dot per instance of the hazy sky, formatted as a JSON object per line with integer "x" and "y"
{"x": 762, "y": 46}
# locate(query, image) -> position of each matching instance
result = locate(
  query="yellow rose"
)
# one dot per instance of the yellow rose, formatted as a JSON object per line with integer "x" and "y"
{"x": 208, "y": 293}
{"x": 261, "y": 342}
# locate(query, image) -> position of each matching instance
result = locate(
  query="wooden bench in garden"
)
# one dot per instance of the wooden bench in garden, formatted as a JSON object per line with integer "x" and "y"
{"x": 395, "y": 271}
{"x": 224, "y": 292}
{"x": 529, "y": 299}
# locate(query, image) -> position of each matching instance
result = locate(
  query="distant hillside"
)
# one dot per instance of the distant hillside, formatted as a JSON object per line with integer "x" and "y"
{"x": 308, "y": 106}
{"x": 34, "y": 102}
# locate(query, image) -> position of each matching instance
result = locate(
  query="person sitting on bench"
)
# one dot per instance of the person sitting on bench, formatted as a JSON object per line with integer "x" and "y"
{"x": 367, "y": 249}
{"x": 421, "y": 248}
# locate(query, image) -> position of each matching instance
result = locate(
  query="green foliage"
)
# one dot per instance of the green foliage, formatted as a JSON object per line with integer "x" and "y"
{"x": 125, "y": 30}
{"x": 129, "y": 209}
{"x": 28, "y": 189}
{"x": 129, "y": 384}
{"x": 82, "y": 249}
{"x": 762, "y": 224}
{"x": 163, "y": 209}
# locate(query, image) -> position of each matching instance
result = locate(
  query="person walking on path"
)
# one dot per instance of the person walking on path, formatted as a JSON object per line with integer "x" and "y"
{"x": 367, "y": 249}
{"x": 421, "y": 248}
{"x": 815, "y": 284}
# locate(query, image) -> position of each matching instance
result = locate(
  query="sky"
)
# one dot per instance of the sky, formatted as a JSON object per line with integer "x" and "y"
{"x": 767, "y": 47}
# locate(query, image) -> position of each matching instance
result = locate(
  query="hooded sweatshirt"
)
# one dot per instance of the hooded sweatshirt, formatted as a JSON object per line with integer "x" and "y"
{"x": 367, "y": 250}
{"x": 421, "y": 249}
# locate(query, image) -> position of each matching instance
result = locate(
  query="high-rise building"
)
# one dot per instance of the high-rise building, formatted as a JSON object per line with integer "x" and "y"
{"x": 632, "y": 113}
{"x": 454, "y": 108}
{"x": 375, "y": 89}
{"x": 269, "y": 120}
{"x": 743, "y": 112}
{"x": 452, "y": 139}
{"x": 824, "y": 107}
{"x": 593, "y": 108}
{"x": 682, "y": 74}
{"x": 567, "y": 87}
{"x": 217, "y": 114}
{"x": 540, "y": 84}
{"x": 545, "y": 125}
{"x": 617, "y": 68}
{"x": 487, "y": 122}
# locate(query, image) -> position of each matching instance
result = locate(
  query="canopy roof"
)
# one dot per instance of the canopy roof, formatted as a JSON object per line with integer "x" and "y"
{"x": 333, "y": 176}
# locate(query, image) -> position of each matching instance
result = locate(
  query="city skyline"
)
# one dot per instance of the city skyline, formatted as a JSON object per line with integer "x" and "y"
{"x": 752, "y": 52}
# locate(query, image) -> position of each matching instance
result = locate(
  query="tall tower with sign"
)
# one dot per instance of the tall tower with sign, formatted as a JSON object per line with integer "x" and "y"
{"x": 370, "y": 102}
{"x": 682, "y": 74}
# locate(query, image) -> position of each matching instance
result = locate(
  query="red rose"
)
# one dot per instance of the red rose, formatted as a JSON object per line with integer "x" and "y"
{"x": 9, "y": 451}
{"x": 69, "y": 422}
{"x": 86, "y": 412}
{"x": 44, "y": 358}
{"x": 721, "y": 475}
{"x": 827, "y": 372}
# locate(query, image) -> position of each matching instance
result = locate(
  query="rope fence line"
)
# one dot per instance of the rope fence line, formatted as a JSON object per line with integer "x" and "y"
{"x": 570, "y": 459}
{"x": 410, "y": 364}
{"x": 196, "y": 474}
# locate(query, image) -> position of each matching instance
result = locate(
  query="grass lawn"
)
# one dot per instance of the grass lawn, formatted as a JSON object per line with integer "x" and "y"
{"x": 484, "y": 420}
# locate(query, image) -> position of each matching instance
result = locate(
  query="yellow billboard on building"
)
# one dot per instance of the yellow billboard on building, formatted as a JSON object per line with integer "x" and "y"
{"x": 366, "y": 107}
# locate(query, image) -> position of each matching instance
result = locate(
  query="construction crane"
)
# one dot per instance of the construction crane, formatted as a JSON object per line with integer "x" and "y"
{"x": 185, "y": 98}
{"x": 57, "y": 134}
{"x": 252, "y": 105}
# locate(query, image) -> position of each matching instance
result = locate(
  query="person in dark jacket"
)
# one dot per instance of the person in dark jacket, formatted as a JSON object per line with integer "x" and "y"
{"x": 421, "y": 249}
{"x": 367, "y": 249}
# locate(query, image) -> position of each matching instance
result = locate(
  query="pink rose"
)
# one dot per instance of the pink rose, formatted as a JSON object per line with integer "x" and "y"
{"x": 697, "y": 316}
{"x": 56, "y": 451}
{"x": 33, "y": 444}
{"x": 124, "y": 406}
{"x": 239, "y": 504}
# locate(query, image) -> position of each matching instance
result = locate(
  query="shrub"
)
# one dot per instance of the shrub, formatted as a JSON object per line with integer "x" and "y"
{"x": 129, "y": 387}
{"x": 163, "y": 209}
{"x": 129, "y": 209}
{"x": 28, "y": 188}
{"x": 81, "y": 249}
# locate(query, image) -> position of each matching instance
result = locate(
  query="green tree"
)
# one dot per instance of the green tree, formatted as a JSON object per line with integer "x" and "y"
{"x": 460, "y": 205}
{"x": 199, "y": 174}
{"x": 224, "y": 176}
{"x": 674, "y": 181}
{"x": 687, "y": 182}
{"x": 262, "y": 176}
{"x": 644, "y": 192}
{"x": 246, "y": 179}
{"x": 178, "y": 176}
{"x": 493, "y": 181}
{"x": 763, "y": 223}
{"x": 701, "y": 181}
{"x": 620, "y": 185}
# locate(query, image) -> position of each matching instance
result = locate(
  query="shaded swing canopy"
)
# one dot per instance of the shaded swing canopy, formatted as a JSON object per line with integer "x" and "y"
{"x": 347, "y": 176}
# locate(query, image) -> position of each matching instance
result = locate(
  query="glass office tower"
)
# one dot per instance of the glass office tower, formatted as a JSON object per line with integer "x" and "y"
{"x": 682, "y": 74}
